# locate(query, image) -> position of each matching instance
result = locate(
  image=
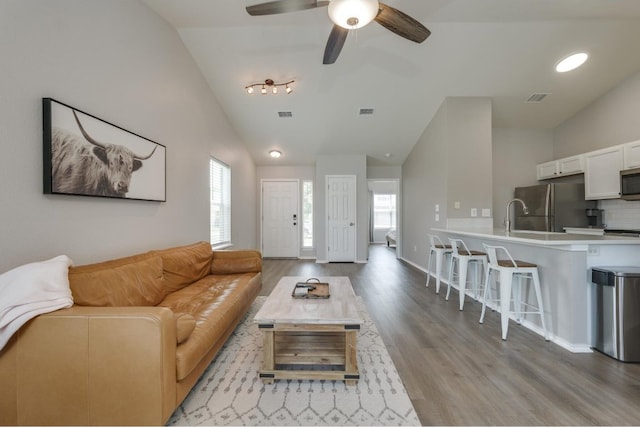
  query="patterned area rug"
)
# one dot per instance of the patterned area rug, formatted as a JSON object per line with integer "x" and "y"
{"x": 230, "y": 392}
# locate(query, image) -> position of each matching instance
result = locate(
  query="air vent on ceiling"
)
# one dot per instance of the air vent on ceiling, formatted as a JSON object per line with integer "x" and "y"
{"x": 536, "y": 97}
{"x": 285, "y": 114}
{"x": 366, "y": 112}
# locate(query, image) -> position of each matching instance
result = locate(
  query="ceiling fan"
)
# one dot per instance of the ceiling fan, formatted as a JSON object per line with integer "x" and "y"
{"x": 347, "y": 15}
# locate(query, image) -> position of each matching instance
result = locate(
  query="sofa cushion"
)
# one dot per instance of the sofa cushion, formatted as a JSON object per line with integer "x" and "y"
{"x": 216, "y": 303}
{"x": 184, "y": 265}
{"x": 185, "y": 324}
{"x": 131, "y": 281}
{"x": 233, "y": 262}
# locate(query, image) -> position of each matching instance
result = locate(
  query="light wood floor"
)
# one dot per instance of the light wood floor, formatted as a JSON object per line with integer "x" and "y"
{"x": 458, "y": 372}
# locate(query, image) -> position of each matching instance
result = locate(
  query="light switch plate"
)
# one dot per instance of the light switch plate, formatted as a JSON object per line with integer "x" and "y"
{"x": 474, "y": 212}
{"x": 437, "y": 208}
{"x": 486, "y": 212}
{"x": 456, "y": 205}
{"x": 437, "y": 217}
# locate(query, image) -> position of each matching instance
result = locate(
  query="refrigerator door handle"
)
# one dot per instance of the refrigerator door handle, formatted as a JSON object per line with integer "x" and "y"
{"x": 547, "y": 208}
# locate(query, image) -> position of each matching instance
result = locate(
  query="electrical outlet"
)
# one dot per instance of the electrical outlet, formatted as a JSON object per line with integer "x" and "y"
{"x": 593, "y": 250}
{"x": 415, "y": 248}
{"x": 474, "y": 212}
{"x": 456, "y": 205}
{"x": 437, "y": 208}
{"x": 486, "y": 212}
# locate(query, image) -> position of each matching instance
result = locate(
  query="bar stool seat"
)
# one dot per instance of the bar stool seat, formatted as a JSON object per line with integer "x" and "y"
{"x": 437, "y": 247}
{"x": 507, "y": 269}
{"x": 463, "y": 257}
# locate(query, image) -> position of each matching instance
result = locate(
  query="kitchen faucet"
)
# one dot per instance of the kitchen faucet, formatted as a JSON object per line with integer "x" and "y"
{"x": 507, "y": 221}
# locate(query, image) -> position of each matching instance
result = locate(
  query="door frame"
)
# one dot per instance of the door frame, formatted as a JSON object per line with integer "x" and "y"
{"x": 298, "y": 208}
{"x": 355, "y": 214}
{"x": 398, "y": 212}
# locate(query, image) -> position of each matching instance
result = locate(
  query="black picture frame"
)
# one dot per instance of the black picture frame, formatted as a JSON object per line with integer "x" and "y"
{"x": 87, "y": 156}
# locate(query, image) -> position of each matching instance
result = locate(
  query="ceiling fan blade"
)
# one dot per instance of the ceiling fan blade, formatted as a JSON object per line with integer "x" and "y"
{"x": 401, "y": 24}
{"x": 284, "y": 6}
{"x": 334, "y": 45}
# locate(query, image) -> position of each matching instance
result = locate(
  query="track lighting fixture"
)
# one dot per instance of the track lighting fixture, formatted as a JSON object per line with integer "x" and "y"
{"x": 269, "y": 83}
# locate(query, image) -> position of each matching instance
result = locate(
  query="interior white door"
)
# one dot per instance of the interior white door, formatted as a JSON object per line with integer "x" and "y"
{"x": 341, "y": 218}
{"x": 280, "y": 219}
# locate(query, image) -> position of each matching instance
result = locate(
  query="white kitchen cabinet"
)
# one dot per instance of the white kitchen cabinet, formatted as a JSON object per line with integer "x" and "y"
{"x": 562, "y": 167}
{"x": 632, "y": 155}
{"x": 547, "y": 170}
{"x": 602, "y": 173}
{"x": 571, "y": 165}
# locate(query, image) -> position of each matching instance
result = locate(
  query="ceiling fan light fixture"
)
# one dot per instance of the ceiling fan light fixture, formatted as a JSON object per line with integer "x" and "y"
{"x": 352, "y": 14}
{"x": 571, "y": 62}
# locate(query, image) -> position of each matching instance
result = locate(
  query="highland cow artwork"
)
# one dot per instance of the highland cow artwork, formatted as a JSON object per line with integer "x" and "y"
{"x": 86, "y": 156}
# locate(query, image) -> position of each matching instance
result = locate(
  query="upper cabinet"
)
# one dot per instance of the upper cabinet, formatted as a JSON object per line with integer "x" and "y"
{"x": 563, "y": 167}
{"x": 632, "y": 155}
{"x": 602, "y": 173}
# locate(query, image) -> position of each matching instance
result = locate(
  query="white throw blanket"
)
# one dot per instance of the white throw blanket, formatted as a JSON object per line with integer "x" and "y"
{"x": 30, "y": 290}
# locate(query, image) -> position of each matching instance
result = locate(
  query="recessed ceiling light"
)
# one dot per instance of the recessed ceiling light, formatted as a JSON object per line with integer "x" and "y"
{"x": 387, "y": 155}
{"x": 275, "y": 154}
{"x": 571, "y": 62}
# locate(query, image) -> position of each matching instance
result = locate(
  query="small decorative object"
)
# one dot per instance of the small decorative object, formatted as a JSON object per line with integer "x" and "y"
{"x": 311, "y": 289}
{"x": 87, "y": 156}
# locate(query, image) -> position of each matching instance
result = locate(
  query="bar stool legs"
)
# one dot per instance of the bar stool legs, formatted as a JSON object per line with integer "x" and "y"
{"x": 440, "y": 250}
{"x": 509, "y": 269}
{"x": 463, "y": 256}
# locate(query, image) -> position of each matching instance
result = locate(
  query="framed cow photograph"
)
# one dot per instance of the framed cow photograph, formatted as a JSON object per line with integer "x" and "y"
{"x": 87, "y": 156}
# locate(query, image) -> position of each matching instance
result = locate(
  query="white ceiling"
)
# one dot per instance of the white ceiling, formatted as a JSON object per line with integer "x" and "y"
{"x": 503, "y": 49}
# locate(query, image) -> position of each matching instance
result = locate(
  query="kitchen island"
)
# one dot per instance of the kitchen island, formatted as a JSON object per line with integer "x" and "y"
{"x": 564, "y": 261}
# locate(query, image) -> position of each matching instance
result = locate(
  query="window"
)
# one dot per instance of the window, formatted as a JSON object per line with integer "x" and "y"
{"x": 220, "y": 213}
{"x": 307, "y": 214}
{"x": 384, "y": 210}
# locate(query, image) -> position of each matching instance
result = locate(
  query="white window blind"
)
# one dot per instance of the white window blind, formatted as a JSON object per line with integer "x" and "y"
{"x": 384, "y": 210}
{"x": 220, "y": 186}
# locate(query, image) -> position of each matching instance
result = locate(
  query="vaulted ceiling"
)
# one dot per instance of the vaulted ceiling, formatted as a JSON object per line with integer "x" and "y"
{"x": 502, "y": 49}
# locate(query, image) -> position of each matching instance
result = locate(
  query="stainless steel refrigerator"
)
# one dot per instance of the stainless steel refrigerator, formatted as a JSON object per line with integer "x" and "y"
{"x": 551, "y": 207}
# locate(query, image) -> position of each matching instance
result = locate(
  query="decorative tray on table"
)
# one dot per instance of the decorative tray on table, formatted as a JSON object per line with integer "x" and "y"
{"x": 311, "y": 289}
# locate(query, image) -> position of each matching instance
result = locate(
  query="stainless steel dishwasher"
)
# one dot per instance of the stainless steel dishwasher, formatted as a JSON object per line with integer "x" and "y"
{"x": 616, "y": 312}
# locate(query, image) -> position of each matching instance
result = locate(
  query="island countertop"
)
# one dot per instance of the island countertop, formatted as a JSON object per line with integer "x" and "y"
{"x": 542, "y": 238}
{"x": 564, "y": 261}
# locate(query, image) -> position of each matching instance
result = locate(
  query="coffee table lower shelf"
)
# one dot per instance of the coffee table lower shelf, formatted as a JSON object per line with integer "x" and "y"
{"x": 310, "y": 351}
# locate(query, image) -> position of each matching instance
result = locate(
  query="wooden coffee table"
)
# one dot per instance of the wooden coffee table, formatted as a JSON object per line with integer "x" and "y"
{"x": 310, "y": 338}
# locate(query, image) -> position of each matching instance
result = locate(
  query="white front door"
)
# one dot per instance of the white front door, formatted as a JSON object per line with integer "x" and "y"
{"x": 341, "y": 218}
{"x": 280, "y": 219}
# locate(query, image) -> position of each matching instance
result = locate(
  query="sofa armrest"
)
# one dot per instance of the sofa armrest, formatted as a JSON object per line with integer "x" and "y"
{"x": 236, "y": 262}
{"x": 93, "y": 365}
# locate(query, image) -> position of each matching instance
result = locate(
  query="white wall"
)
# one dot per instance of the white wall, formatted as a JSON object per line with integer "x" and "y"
{"x": 516, "y": 152}
{"x": 121, "y": 62}
{"x": 452, "y": 161}
{"x": 611, "y": 120}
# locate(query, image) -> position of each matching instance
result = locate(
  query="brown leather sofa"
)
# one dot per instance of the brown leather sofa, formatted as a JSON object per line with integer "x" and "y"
{"x": 142, "y": 331}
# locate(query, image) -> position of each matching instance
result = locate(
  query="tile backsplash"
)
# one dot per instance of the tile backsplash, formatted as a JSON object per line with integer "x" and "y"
{"x": 620, "y": 213}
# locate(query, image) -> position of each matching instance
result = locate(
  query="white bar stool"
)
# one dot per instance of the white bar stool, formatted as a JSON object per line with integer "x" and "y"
{"x": 440, "y": 250}
{"x": 508, "y": 269}
{"x": 463, "y": 257}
